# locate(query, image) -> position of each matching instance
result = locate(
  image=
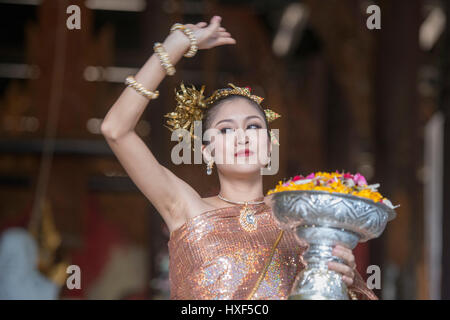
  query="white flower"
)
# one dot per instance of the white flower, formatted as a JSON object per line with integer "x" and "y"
{"x": 303, "y": 181}
{"x": 374, "y": 187}
{"x": 389, "y": 204}
{"x": 349, "y": 183}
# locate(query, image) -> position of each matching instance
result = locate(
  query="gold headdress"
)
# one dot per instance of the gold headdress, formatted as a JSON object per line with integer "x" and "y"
{"x": 192, "y": 104}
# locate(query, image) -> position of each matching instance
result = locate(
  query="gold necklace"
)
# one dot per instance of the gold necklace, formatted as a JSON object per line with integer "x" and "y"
{"x": 247, "y": 215}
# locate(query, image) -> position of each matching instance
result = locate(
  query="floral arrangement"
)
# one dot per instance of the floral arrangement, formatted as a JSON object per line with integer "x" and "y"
{"x": 334, "y": 182}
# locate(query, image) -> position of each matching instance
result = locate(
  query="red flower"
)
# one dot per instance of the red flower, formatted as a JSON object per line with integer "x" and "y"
{"x": 296, "y": 178}
{"x": 249, "y": 88}
{"x": 348, "y": 176}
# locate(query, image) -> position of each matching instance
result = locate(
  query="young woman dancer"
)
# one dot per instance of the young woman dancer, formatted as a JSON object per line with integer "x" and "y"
{"x": 226, "y": 246}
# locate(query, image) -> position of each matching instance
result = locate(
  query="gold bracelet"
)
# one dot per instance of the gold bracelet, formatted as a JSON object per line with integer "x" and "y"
{"x": 164, "y": 58}
{"x": 131, "y": 82}
{"x": 188, "y": 32}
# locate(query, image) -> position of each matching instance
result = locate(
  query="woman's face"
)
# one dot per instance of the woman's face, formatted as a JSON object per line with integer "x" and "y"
{"x": 239, "y": 141}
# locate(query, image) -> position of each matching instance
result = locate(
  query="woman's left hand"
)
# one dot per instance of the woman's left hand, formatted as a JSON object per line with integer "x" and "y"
{"x": 347, "y": 270}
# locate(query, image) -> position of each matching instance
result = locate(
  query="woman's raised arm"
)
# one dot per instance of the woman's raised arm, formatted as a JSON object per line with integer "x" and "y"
{"x": 165, "y": 191}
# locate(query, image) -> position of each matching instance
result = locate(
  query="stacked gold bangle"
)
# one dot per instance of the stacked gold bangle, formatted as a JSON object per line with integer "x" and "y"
{"x": 193, "y": 48}
{"x": 164, "y": 58}
{"x": 131, "y": 82}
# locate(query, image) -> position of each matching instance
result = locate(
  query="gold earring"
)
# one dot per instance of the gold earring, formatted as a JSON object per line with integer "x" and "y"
{"x": 209, "y": 167}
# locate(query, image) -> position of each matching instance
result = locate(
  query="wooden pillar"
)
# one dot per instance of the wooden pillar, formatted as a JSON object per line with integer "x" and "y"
{"x": 399, "y": 143}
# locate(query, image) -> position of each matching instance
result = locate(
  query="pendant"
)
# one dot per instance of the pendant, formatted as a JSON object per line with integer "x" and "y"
{"x": 247, "y": 219}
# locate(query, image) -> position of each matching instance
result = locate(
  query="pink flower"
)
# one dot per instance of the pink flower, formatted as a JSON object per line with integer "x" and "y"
{"x": 310, "y": 176}
{"x": 359, "y": 179}
{"x": 296, "y": 178}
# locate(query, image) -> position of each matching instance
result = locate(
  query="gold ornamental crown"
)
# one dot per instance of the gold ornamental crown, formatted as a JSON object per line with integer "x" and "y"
{"x": 192, "y": 104}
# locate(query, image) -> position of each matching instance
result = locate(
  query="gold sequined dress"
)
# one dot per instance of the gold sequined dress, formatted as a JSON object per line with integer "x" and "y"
{"x": 212, "y": 257}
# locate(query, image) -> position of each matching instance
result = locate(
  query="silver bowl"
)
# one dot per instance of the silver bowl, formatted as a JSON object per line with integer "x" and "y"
{"x": 324, "y": 220}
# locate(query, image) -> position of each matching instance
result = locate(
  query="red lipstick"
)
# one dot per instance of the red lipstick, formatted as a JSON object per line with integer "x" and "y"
{"x": 243, "y": 153}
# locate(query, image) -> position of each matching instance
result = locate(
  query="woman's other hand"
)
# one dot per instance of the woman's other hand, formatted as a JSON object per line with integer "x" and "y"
{"x": 347, "y": 270}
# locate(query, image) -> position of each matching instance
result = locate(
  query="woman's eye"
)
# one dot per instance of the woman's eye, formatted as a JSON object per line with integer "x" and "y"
{"x": 226, "y": 130}
{"x": 254, "y": 126}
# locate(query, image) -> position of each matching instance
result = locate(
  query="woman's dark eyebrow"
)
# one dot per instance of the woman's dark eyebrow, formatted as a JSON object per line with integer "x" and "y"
{"x": 231, "y": 120}
{"x": 224, "y": 120}
{"x": 251, "y": 117}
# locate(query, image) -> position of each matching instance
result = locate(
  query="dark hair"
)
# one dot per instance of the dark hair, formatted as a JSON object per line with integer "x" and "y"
{"x": 214, "y": 108}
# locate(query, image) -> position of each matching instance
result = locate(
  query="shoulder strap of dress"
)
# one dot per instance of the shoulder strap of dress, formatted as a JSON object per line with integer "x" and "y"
{"x": 266, "y": 266}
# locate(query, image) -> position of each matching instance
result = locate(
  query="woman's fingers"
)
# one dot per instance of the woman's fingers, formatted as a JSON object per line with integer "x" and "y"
{"x": 345, "y": 254}
{"x": 346, "y": 270}
{"x": 347, "y": 273}
{"x": 214, "y": 23}
{"x": 224, "y": 34}
{"x": 342, "y": 269}
{"x": 222, "y": 41}
{"x": 347, "y": 281}
{"x": 212, "y": 34}
{"x": 204, "y": 24}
